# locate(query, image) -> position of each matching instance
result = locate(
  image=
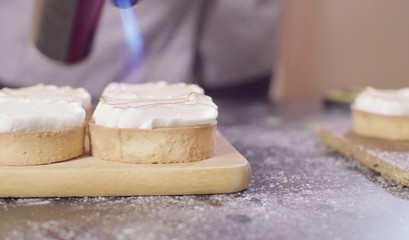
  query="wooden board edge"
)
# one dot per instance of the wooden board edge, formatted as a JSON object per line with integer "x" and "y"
{"x": 217, "y": 181}
{"x": 227, "y": 179}
{"x": 387, "y": 170}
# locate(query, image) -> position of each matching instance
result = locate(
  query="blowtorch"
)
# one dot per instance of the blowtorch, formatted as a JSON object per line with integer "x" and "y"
{"x": 63, "y": 30}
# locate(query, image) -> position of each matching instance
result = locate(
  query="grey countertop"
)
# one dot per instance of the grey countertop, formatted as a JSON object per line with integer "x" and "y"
{"x": 299, "y": 190}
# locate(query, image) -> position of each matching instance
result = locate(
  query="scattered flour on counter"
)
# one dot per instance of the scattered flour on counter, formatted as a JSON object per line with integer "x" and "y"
{"x": 32, "y": 201}
{"x": 299, "y": 190}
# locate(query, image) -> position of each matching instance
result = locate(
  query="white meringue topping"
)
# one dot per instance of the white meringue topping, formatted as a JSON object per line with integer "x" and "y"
{"x": 19, "y": 114}
{"x": 154, "y": 105}
{"x": 155, "y": 90}
{"x": 385, "y": 102}
{"x": 51, "y": 92}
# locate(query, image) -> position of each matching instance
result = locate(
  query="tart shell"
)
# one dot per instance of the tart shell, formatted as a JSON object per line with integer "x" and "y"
{"x": 33, "y": 148}
{"x": 147, "y": 146}
{"x": 380, "y": 126}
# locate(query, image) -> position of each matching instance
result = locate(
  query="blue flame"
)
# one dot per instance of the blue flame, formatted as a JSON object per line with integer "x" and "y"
{"x": 132, "y": 53}
{"x": 124, "y": 3}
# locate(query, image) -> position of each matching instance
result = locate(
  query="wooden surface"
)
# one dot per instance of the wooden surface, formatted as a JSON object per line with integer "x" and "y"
{"x": 227, "y": 171}
{"x": 390, "y": 158}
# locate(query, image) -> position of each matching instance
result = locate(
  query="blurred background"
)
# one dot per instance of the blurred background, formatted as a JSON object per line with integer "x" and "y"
{"x": 329, "y": 44}
{"x": 288, "y": 50}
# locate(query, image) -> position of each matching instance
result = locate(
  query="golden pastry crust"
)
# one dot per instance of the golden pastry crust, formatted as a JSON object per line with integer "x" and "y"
{"x": 380, "y": 126}
{"x": 163, "y": 145}
{"x": 34, "y": 148}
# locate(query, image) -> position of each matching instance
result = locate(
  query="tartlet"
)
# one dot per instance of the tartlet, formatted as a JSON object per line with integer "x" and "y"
{"x": 37, "y": 131}
{"x": 381, "y": 114}
{"x": 153, "y": 123}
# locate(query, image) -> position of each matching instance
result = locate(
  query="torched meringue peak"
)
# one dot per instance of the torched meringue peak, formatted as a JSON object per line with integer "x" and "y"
{"x": 384, "y": 102}
{"x": 150, "y": 90}
{"x": 51, "y": 92}
{"x": 148, "y": 106}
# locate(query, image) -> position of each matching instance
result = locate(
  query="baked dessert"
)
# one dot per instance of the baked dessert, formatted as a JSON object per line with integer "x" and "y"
{"x": 39, "y": 131}
{"x": 53, "y": 93}
{"x": 381, "y": 114}
{"x": 153, "y": 123}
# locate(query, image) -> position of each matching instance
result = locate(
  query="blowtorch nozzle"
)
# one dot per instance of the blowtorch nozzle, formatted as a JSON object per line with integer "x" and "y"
{"x": 124, "y": 3}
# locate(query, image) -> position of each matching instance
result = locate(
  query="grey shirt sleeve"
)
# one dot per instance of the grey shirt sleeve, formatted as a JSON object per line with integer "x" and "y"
{"x": 216, "y": 43}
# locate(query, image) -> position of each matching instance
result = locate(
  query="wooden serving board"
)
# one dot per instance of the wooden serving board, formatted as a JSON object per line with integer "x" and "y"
{"x": 227, "y": 171}
{"x": 390, "y": 158}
